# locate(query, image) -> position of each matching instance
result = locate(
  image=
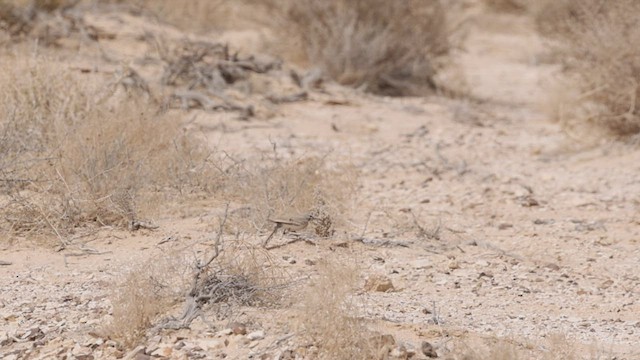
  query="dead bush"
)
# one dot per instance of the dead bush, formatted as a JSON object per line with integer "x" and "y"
{"x": 384, "y": 47}
{"x": 73, "y": 155}
{"x": 597, "y": 42}
{"x": 234, "y": 273}
{"x": 205, "y": 71}
{"x": 327, "y": 315}
{"x": 240, "y": 275}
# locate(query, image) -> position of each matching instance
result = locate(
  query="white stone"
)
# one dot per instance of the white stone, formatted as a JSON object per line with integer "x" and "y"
{"x": 256, "y": 335}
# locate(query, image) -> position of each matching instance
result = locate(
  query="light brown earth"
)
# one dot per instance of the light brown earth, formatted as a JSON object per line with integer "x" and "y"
{"x": 529, "y": 235}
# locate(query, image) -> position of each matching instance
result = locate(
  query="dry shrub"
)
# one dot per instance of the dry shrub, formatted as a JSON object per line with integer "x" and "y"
{"x": 231, "y": 274}
{"x": 598, "y": 44}
{"x": 327, "y": 315}
{"x": 146, "y": 292}
{"x": 20, "y": 17}
{"x": 273, "y": 186}
{"x": 73, "y": 155}
{"x": 384, "y": 47}
{"x": 242, "y": 275}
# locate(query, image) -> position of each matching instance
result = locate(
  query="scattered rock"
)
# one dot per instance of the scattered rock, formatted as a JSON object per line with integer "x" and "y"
{"x": 238, "y": 328}
{"x": 379, "y": 283}
{"x": 256, "y": 335}
{"x": 82, "y": 353}
{"x": 289, "y": 259}
{"x": 488, "y": 274}
{"x": 454, "y": 264}
{"x": 133, "y": 354}
{"x": 142, "y": 356}
{"x": 428, "y": 350}
{"x": 606, "y": 284}
{"x": 224, "y": 332}
{"x": 505, "y": 226}
{"x": 552, "y": 266}
{"x": 33, "y": 334}
{"x": 399, "y": 352}
{"x": 543, "y": 221}
{"x": 211, "y": 344}
{"x": 5, "y": 340}
{"x": 411, "y": 352}
{"x": 309, "y": 262}
{"x": 163, "y": 351}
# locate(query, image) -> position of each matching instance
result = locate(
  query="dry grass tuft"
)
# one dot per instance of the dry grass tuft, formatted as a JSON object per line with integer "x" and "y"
{"x": 327, "y": 315}
{"x": 74, "y": 155}
{"x": 383, "y": 47}
{"x": 554, "y": 347}
{"x": 146, "y": 292}
{"x": 597, "y": 42}
{"x": 273, "y": 186}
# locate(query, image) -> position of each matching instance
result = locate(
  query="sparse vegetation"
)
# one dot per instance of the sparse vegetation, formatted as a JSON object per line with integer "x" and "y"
{"x": 84, "y": 156}
{"x": 327, "y": 315}
{"x": 384, "y": 47}
{"x": 272, "y": 186}
{"x": 146, "y": 292}
{"x": 389, "y": 48}
{"x": 598, "y": 46}
{"x": 94, "y": 139}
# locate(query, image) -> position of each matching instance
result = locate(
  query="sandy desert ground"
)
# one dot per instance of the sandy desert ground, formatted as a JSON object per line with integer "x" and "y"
{"x": 495, "y": 228}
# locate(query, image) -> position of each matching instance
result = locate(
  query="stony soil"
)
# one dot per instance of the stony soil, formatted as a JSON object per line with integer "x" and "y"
{"x": 519, "y": 233}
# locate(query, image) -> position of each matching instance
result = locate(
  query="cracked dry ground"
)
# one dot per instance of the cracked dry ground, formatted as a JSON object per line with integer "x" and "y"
{"x": 484, "y": 219}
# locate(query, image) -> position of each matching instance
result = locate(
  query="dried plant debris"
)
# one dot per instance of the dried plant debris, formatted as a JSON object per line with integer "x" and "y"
{"x": 47, "y": 21}
{"x": 203, "y": 72}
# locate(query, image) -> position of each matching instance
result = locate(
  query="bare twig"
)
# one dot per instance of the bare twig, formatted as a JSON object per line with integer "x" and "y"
{"x": 195, "y": 298}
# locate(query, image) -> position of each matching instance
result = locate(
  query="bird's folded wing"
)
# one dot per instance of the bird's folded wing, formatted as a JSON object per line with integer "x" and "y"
{"x": 284, "y": 221}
